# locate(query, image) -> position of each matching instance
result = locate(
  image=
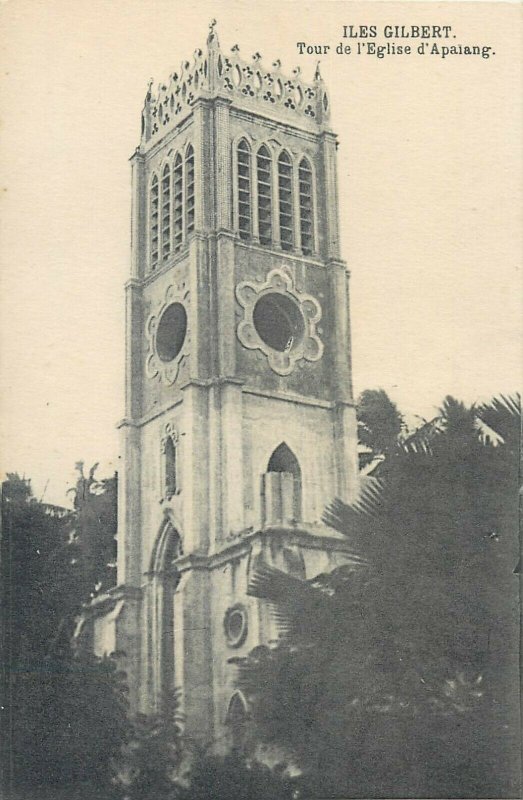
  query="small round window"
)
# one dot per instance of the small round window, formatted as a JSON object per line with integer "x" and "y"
{"x": 170, "y": 335}
{"x": 235, "y": 624}
{"x": 278, "y": 321}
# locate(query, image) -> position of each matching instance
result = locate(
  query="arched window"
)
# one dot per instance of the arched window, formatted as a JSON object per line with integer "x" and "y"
{"x": 237, "y": 721}
{"x": 264, "y": 179}
{"x": 306, "y": 207}
{"x": 285, "y": 198}
{"x": 163, "y": 579}
{"x": 244, "y": 190}
{"x": 153, "y": 222}
{"x": 284, "y": 461}
{"x": 171, "y": 477}
{"x": 189, "y": 191}
{"x": 166, "y": 211}
{"x": 178, "y": 202}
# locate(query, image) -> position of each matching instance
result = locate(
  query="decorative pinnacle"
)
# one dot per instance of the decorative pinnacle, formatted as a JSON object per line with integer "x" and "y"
{"x": 256, "y": 57}
{"x": 212, "y": 38}
{"x": 317, "y": 74}
{"x": 235, "y": 48}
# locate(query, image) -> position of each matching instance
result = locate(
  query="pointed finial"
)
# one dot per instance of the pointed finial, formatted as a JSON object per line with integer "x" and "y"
{"x": 256, "y": 56}
{"x": 296, "y": 71}
{"x": 149, "y": 89}
{"x": 276, "y": 64}
{"x": 212, "y": 38}
{"x": 235, "y": 48}
{"x": 317, "y": 74}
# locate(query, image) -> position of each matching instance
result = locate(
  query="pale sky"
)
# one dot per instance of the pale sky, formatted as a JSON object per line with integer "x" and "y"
{"x": 430, "y": 195}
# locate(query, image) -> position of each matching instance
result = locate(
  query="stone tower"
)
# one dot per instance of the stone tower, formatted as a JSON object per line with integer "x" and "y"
{"x": 240, "y": 423}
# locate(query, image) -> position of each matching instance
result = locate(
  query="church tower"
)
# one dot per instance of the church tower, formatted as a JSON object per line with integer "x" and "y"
{"x": 239, "y": 425}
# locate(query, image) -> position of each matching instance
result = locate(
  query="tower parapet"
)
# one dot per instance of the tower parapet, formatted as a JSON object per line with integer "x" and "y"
{"x": 247, "y": 84}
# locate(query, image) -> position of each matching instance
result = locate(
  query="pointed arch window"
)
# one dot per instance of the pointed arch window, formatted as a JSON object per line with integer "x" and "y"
{"x": 264, "y": 180}
{"x": 170, "y": 462}
{"x": 237, "y": 722}
{"x": 306, "y": 207}
{"x": 284, "y": 460}
{"x": 171, "y": 483}
{"x": 244, "y": 189}
{"x": 153, "y": 221}
{"x": 285, "y": 198}
{"x": 163, "y": 579}
{"x": 189, "y": 191}
{"x": 166, "y": 211}
{"x": 178, "y": 203}
{"x": 281, "y": 500}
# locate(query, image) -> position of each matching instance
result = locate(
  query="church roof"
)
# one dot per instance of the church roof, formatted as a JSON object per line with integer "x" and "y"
{"x": 246, "y": 83}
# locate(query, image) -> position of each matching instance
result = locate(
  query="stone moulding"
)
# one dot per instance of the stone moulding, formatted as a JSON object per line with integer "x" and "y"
{"x": 309, "y": 347}
{"x": 165, "y": 371}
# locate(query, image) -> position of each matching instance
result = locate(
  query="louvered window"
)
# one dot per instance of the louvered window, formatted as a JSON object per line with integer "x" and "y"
{"x": 153, "y": 224}
{"x": 178, "y": 203}
{"x": 264, "y": 177}
{"x": 166, "y": 211}
{"x": 306, "y": 207}
{"x": 189, "y": 191}
{"x": 285, "y": 198}
{"x": 244, "y": 190}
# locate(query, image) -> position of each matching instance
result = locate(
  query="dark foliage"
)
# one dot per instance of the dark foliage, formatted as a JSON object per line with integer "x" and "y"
{"x": 395, "y": 676}
{"x": 65, "y": 712}
{"x": 379, "y": 424}
{"x": 149, "y": 765}
{"x": 232, "y": 776}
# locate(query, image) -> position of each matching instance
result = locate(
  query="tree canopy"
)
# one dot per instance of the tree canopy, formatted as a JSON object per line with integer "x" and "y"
{"x": 396, "y": 677}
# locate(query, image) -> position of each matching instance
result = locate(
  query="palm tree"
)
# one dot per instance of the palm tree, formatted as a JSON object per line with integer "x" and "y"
{"x": 415, "y": 648}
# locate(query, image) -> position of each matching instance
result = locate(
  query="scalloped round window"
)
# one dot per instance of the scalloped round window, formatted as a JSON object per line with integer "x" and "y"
{"x": 171, "y": 332}
{"x": 235, "y": 625}
{"x": 278, "y": 321}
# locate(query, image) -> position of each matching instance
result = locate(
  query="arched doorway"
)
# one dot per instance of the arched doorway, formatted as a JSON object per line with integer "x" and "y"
{"x": 163, "y": 578}
{"x": 237, "y": 722}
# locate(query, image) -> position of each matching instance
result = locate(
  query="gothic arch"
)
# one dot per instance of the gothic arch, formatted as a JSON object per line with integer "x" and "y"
{"x": 153, "y": 216}
{"x": 283, "y": 460}
{"x": 307, "y": 224}
{"x": 167, "y": 548}
{"x": 236, "y": 720}
{"x": 265, "y": 193}
{"x": 243, "y": 187}
{"x": 165, "y": 210}
{"x": 178, "y": 205}
{"x": 285, "y": 171}
{"x": 189, "y": 189}
{"x": 162, "y": 581}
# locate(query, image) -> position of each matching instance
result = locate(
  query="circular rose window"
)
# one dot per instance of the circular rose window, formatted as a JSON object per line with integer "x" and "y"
{"x": 278, "y": 321}
{"x": 235, "y": 625}
{"x": 171, "y": 331}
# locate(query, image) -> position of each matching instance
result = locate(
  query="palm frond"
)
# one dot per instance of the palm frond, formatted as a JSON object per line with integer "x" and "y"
{"x": 297, "y": 607}
{"x": 359, "y": 517}
{"x": 270, "y": 583}
{"x": 503, "y": 416}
